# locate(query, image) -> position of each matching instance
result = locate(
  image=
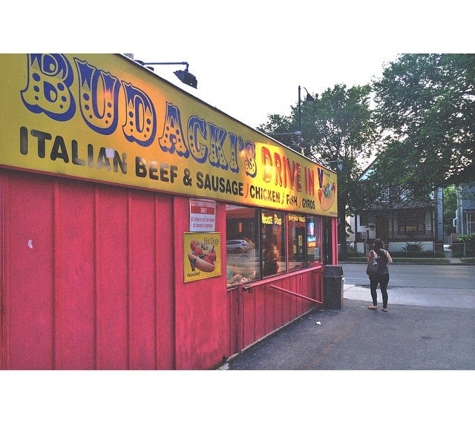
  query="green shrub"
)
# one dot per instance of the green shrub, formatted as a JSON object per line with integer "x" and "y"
{"x": 412, "y": 247}
{"x": 352, "y": 252}
{"x": 419, "y": 254}
{"x": 466, "y": 238}
{"x": 469, "y": 240}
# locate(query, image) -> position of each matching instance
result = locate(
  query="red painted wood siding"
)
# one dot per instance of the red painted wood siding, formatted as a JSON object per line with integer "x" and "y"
{"x": 258, "y": 311}
{"x": 202, "y": 327}
{"x": 92, "y": 278}
{"x": 86, "y": 281}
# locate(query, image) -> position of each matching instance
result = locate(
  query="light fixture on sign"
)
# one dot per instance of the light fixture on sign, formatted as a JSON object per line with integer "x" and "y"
{"x": 184, "y": 75}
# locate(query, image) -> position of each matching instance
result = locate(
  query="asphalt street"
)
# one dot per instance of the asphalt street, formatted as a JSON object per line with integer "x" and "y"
{"x": 439, "y": 286}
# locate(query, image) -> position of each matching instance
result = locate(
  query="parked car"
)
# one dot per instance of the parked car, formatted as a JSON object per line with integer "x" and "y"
{"x": 237, "y": 246}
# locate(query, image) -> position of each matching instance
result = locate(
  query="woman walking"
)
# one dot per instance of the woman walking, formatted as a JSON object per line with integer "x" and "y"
{"x": 382, "y": 277}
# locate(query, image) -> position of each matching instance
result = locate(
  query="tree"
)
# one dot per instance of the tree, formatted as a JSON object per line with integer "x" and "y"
{"x": 426, "y": 110}
{"x": 283, "y": 129}
{"x": 276, "y": 124}
{"x": 343, "y": 137}
{"x": 450, "y": 206}
{"x": 338, "y": 131}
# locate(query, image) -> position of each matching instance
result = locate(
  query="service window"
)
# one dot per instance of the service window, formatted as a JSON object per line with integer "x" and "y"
{"x": 273, "y": 242}
{"x": 296, "y": 241}
{"x": 314, "y": 240}
{"x": 264, "y": 243}
{"x": 242, "y": 245}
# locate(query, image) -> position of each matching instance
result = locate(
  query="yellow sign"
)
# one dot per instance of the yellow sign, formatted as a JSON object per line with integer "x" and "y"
{"x": 106, "y": 118}
{"x": 202, "y": 257}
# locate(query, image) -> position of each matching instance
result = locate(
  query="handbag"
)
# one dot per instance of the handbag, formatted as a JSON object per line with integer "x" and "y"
{"x": 373, "y": 266}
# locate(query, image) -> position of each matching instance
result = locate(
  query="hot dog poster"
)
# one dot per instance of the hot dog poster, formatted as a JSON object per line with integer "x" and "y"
{"x": 202, "y": 257}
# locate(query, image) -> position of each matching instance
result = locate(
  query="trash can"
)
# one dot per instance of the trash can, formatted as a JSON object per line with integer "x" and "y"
{"x": 333, "y": 280}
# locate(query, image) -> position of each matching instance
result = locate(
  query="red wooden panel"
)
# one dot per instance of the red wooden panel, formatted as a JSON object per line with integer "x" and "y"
{"x": 165, "y": 289}
{"x": 270, "y": 314}
{"x": 202, "y": 320}
{"x": 111, "y": 273}
{"x": 249, "y": 317}
{"x": 295, "y": 300}
{"x": 298, "y": 302}
{"x": 28, "y": 272}
{"x": 287, "y": 309}
{"x": 308, "y": 291}
{"x": 75, "y": 276}
{"x": 143, "y": 242}
{"x": 260, "y": 303}
{"x": 267, "y": 309}
{"x": 234, "y": 323}
{"x": 278, "y": 308}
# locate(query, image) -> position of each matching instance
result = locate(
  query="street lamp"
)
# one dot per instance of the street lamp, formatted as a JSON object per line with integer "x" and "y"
{"x": 186, "y": 77}
{"x": 308, "y": 99}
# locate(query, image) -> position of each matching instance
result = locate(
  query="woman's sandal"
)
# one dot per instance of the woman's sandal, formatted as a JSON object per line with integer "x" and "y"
{"x": 384, "y": 310}
{"x": 373, "y": 308}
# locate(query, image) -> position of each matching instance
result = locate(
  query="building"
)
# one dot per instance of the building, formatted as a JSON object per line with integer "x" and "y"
{"x": 464, "y": 221}
{"x": 121, "y": 201}
{"x": 403, "y": 224}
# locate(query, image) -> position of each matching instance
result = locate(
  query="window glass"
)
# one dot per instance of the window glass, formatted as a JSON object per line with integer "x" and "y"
{"x": 314, "y": 240}
{"x": 411, "y": 224}
{"x": 263, "y": 243}
{"x": 470, "y": 220}
{"x": 273, "y": 242}
{"x": 296, "y": 241}
{"x": 242, "y": 248}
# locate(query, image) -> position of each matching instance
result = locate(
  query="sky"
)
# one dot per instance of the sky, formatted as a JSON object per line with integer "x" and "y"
{"x": 249, "y": 57}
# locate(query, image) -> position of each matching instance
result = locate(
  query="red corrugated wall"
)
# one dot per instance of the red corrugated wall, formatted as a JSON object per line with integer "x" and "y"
{"x": 202, "y": 327}
{"x": 257, "y": 311}
{"x": 90, "y": 280}
{"x": 267, "y": 309}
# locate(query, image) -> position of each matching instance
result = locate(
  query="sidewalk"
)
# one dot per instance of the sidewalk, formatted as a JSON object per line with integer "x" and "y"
{"x": 420, "y": 332}
{"x": 413, "y": 296}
